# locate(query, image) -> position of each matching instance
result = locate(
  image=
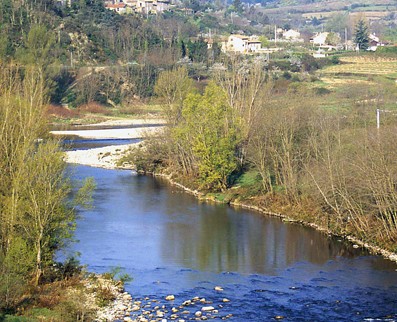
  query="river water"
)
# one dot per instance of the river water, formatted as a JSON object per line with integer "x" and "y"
{"x": 171, "y": 243}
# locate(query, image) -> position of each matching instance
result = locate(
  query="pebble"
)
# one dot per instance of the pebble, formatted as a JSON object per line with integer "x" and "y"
{"x": 279, "y": 317}
{"x": 170, "y": 297}
{"x": 207, "y": 308}
{"x": 225, "y": 300}
{"x": 186, "y": 303}
{"x": 174, "y": 310}
{"x": 218, "y": 288}
{"x": 198, "y": 314}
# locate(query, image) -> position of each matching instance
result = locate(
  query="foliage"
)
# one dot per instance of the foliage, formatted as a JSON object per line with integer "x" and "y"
{"x": 208, "y": 126}
{"x": 116, "y": 274}
{"x": 197, "y": 50}
{"x": 264, "y": 41}
{"x": 35, "y": 214}
{"x": 333, "y": 39}
{"x": 361, "y": 37}
{"x": 173, "y": 86}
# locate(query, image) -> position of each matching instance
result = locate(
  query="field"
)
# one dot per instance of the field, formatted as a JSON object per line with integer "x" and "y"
{"x": 365, "y": 66}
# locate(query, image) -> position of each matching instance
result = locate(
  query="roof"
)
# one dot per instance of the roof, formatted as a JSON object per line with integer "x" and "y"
{"x": 240, "y": 36}
{"x": 116, "y": 5}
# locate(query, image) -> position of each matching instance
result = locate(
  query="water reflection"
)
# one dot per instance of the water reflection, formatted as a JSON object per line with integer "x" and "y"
{"x": 218, "y": 239}
{"x": 181, "y": 231}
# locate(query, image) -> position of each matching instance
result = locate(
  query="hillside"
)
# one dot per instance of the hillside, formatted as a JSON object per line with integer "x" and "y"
{"x": 333, "y": 15}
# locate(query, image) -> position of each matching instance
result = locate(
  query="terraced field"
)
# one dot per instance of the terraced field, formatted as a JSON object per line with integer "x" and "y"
{"x": 363, "y": 66}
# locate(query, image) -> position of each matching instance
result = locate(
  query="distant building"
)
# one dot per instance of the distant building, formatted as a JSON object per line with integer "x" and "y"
{"x": 374, "y": 42}
{"x": 242, "y": 44}
{"x": 319, "y": 39}
{"x": 152, "y": 6}
{"x": 119, "y": 7}
{"x": 292, "y": 35}
{"x": 145, "y": 7}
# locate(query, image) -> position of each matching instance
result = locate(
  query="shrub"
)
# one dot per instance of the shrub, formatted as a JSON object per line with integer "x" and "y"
{"x": 62, "y": 112}
{"x": 94, "y": 108}
{"x": 321, "y": 91}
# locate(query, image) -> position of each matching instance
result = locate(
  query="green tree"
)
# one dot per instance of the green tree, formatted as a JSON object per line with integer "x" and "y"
{"x": 209, "y": 128}
{"x": 361, "y": 37}
{"x": 238, "y": 6}
{"x": 264, "y": 41}
{"x": 198, "y": 50}
{"x": 36, "y": 216}
{"x": 333, "y": 39}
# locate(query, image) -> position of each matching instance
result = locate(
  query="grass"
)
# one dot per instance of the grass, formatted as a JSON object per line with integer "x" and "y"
{"x": 248, "y": 178}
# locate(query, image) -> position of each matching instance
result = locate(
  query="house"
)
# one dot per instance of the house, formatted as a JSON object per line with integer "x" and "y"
{"x": 131, "y": 3}
{"x": 237, "y": 43}
{"x": 242, "y": 44}
{"x": 254, "y": 45}
{"x": 141, "y": 6}
{"x": 319, "y": 39}
{"x": 374, "y": 42}
{"x": 292, "y": 35}
{"x": 119, "y": 7}
{"x": 145, "y": 6}
{"x": 162, "y": 5}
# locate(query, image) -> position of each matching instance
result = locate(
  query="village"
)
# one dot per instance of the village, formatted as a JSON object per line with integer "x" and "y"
{"x": 319, "y": 43}
{"x": 322, "y": 43}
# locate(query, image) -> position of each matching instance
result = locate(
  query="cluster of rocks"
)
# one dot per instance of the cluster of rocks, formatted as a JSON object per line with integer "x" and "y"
{"x": 124, "y": 308}
{"x": 104, "y": 290}
{"x": 168, "y": 309}
{"x": 118, "y": 310}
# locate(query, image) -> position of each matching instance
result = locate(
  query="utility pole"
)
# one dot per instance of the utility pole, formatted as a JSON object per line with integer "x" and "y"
{"x": 378, "y": 118}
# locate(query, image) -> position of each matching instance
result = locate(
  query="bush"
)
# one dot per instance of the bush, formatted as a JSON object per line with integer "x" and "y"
{"x": 321, "y": 91}
{"x": 94, "y": 108}
{"x": 61, "y": 111}
{"x": 388, "y": 50}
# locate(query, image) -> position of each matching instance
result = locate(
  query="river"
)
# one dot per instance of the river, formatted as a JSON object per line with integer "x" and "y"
{"x": 171, "y": 243}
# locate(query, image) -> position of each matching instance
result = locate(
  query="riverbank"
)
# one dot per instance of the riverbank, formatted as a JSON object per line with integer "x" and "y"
{"x": 108, "y": 157}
